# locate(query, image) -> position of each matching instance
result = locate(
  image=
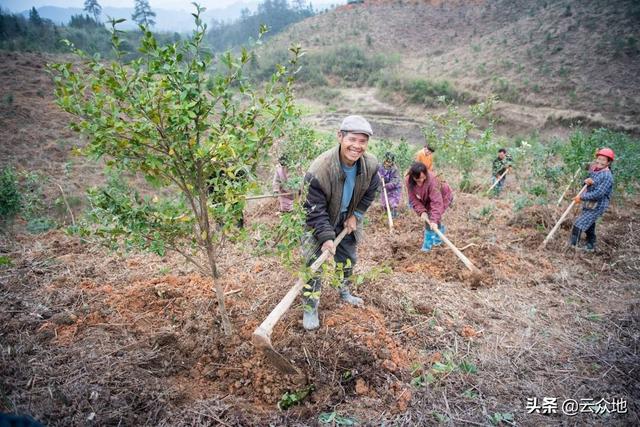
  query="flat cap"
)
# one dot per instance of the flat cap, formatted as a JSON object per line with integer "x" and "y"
{"x": 356, "y": 124}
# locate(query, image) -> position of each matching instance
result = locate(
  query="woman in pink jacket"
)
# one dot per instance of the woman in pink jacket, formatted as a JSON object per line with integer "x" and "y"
{"x": 279, "y": 185}
{"x": 429, "y": 199}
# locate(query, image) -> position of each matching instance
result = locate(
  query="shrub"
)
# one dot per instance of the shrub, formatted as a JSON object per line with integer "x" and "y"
{"x": 347, "y": 64}
{"x": 460, "y": 140}
{"x": 403, "y": 151}
{"x": 155, "y": 116}
{"x": 420, "y": 91}
{"x": 10, "y": 196}
{"x": 582, "y": 147}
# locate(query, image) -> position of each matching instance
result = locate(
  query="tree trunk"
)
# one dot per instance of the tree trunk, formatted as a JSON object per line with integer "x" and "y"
{"x": 203, "y": 220}
{"x": 226, "y": 322}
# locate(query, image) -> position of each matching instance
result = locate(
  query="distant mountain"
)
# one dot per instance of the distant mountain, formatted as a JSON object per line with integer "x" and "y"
{"x": 166, "y": 20}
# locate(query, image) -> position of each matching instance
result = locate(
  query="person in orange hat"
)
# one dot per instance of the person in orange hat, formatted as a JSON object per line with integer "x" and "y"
{"x": 595, "y": 200}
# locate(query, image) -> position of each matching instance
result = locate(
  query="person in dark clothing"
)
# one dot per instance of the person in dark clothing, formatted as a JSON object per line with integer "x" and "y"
{"x": 500, "y": 165}
{"x": 342, "y": 184}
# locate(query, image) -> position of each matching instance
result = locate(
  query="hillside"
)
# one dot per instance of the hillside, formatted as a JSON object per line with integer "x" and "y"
{"x": 93, "y": 336}
{"x": 582, "y": 57}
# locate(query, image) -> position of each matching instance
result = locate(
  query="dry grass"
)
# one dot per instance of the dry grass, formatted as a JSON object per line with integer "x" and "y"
{"x": 529, "y": 53}
{"x": 89, "y": 337}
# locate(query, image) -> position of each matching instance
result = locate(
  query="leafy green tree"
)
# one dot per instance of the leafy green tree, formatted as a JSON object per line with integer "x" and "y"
{"x": 92, "y": 7}
{"x": 186, "y": 123}
{"x": 460, "y": 140}
{"x": 143, "y": 14}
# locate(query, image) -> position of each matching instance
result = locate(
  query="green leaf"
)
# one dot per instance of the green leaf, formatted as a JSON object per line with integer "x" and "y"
{"x": 470, "y": 394}
{"x": 290, "y": 399}
{"x": 336, "y": 419}
{"x": 468, "y": 367}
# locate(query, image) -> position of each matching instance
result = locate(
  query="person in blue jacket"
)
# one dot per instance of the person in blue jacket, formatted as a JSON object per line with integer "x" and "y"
{"x": 595, "y": 200}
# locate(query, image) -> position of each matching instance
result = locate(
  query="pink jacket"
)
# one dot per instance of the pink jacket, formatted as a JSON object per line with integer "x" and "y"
{"x": 433, "y": 197}
{"x": 278, "y": 186}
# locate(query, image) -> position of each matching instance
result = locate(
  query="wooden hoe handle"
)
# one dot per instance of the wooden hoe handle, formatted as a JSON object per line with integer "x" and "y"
{"x": 262, "y": 334}
{"x": 497, "y": 181}
{"x": 560, "y": 221}
{"x": 386, "y": 200}
{"x": 457, "y": 251}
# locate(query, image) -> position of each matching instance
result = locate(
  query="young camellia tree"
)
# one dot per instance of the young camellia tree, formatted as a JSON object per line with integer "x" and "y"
{"x": 459, "y": 138}
{"x": 184, "y": 122}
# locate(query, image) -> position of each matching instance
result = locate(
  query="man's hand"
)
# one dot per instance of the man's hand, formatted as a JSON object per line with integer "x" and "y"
{"x": 588, "y": 181}
{"x": 328, "y": 246}
{"x": 577, "y": 199}
{"x": 350, "y": 224}
{"x": 432, "y": 225}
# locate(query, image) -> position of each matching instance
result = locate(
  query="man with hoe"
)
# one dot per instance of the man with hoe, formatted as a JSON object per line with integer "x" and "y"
{"x": 501, "y": 164}
{"x": 342, "y": 184}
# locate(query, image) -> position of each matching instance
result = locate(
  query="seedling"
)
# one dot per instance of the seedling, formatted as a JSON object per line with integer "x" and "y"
{"x": 499, "y": 417}
{"x": 290, "y": 399}
{"x": 335, "y": 419}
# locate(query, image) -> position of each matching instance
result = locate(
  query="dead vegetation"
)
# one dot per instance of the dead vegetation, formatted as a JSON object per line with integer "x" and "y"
{"x": 530, "y": 53}
{"x": 90, "y": 337}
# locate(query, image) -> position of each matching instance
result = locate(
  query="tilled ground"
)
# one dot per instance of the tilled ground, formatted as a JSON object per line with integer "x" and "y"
{"x": 89, "y": 337}
{"x": 92, "y": 337}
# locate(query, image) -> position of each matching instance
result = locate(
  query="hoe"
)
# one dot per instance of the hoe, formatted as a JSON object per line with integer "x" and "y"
{"x": 262, "y": 334}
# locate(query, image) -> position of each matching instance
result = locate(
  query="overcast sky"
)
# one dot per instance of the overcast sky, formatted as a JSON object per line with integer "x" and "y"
{"x": 160, "y": 4}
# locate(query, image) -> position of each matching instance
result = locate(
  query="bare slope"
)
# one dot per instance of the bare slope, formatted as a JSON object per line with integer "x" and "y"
{"x": 572, "y": 55}
{"x": 91, "y": 338}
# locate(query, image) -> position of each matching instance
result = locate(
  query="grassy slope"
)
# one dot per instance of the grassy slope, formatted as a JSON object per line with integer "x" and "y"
{"x": 581, "y": 56}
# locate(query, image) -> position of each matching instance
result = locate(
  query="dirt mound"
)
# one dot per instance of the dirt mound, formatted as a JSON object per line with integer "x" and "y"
{"x": 536, "y": 217}
{"x": 172, "y": 320}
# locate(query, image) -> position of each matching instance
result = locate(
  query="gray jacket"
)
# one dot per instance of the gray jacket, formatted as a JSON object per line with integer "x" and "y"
{"x": 325, "y": 180}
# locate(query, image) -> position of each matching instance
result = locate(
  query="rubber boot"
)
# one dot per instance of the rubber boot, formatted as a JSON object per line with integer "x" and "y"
{"x": 345, "y": 295}
{"x": 591, "y": 239}
{"x": 394, "y": 213}
{"x": 310, "y": 320}
{"x": 428, "y": 240}
{"x": 437, "y": 241}
{"x": 575, "y": 237}
{"x": 591, "y": 242}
